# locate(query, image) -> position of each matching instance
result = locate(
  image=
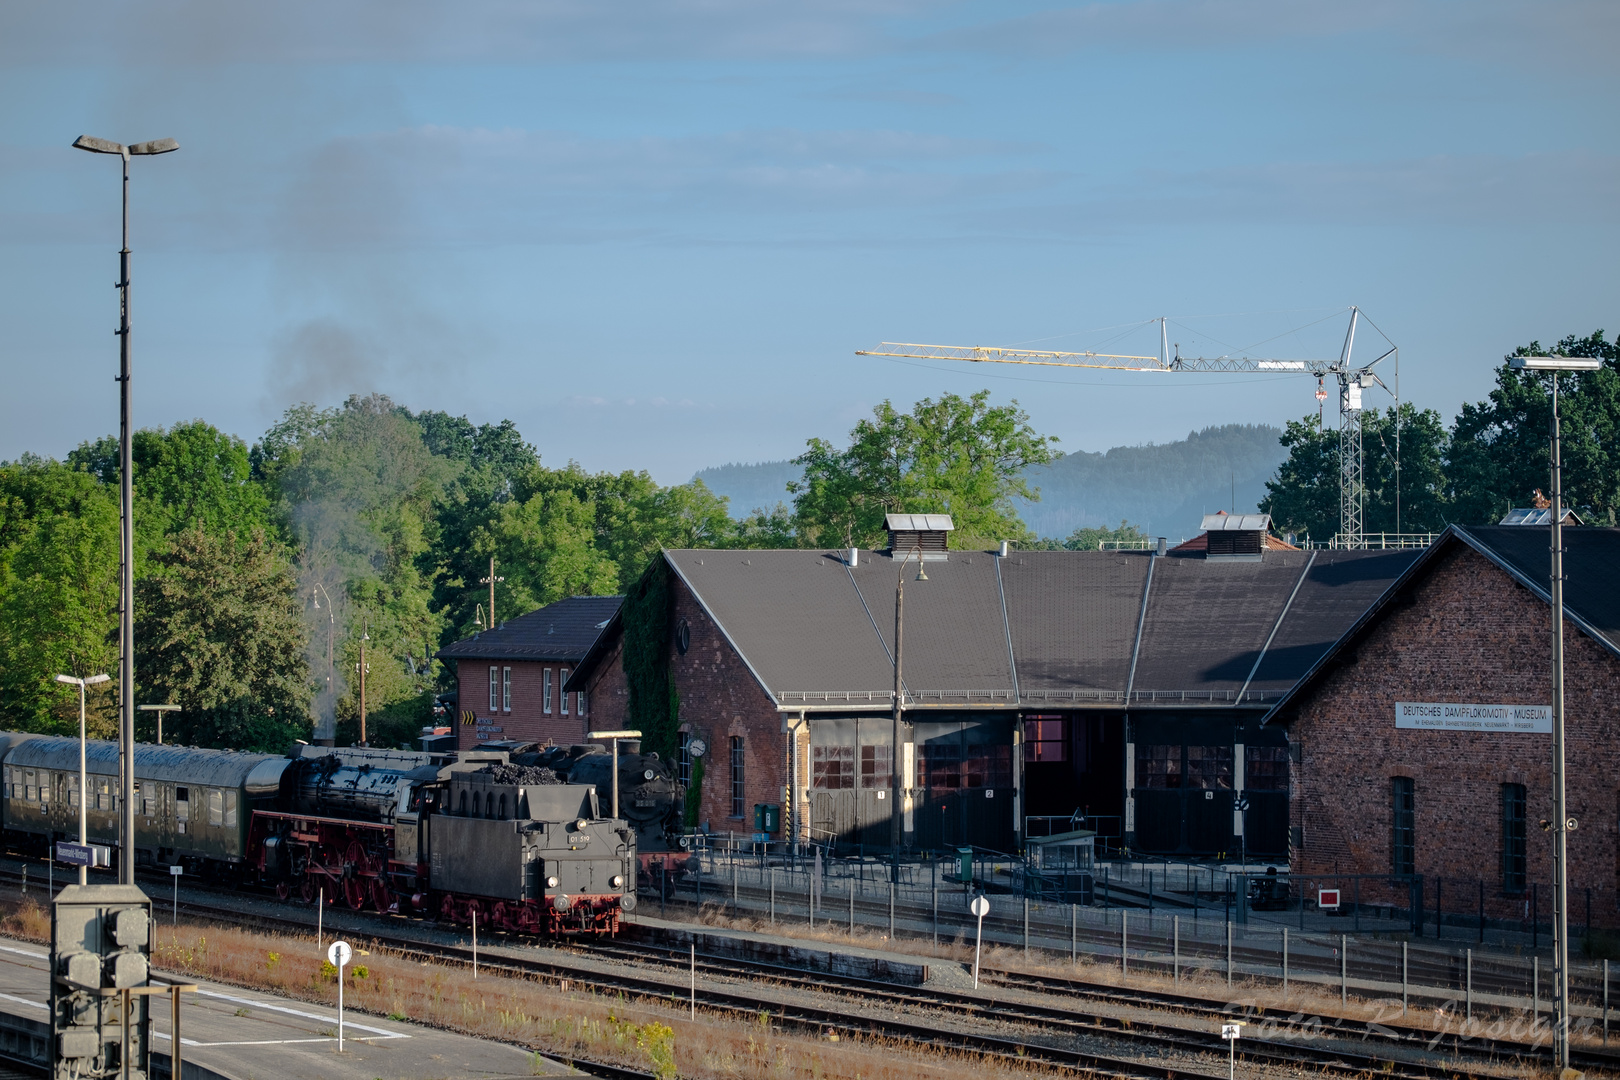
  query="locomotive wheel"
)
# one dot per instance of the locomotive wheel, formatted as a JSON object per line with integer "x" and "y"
{"x": 381, "y": 898}
{"x": 475, "y": 910}
{"x": 306, "y": 889}
{"x": 497, "y": 915}
{"x": 283, "y": 891}
{"x": 355, "y": 856}
{"x": 447, "y": 909}
{"x": 354, "y": 892}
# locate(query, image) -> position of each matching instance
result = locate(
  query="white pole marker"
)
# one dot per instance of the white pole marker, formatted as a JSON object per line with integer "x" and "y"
{"x": 339, "y": 955}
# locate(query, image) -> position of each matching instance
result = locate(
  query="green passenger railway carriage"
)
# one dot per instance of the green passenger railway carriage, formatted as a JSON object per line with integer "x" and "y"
{"x": 381, "y": 830}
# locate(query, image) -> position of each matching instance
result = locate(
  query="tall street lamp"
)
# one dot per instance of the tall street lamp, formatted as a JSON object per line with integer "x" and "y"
{"x": 895, "y": 756}
{"x": 160, "y": 710}
{"x": 126, "y": 604}
{"x": 84, "y": 787}
{"x": 1562, "y": 824}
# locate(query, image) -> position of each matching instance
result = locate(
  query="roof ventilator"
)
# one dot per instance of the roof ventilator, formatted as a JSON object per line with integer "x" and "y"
{"x": 1236, "y": 537}
{"x": 928, "y": 534}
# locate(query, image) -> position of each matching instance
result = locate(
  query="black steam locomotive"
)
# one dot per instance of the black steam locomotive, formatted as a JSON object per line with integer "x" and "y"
{"x": 517, "y": 848}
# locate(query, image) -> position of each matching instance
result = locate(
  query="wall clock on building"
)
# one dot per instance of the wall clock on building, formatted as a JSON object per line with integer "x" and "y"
{"x": 683, "y": 636}
{"x": 697, "y": 748}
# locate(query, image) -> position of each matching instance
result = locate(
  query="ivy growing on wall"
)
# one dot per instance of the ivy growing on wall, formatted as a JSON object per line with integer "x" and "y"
{"x": 654, "y": 706}
{"x": 694, "y": 795}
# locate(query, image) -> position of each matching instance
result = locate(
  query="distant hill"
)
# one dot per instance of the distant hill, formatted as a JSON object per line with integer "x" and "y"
{"x": 1165, "y": 489}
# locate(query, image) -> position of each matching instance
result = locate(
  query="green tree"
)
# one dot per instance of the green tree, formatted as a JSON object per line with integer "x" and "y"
{"x": 58, "y": 595}
{"x": 1090, "y": 538}
{"x": 219, "y": 632}
{"x": 1499, "y": 454}
{"x": 1304, "y": 496}
{"x": 958, "y": 456}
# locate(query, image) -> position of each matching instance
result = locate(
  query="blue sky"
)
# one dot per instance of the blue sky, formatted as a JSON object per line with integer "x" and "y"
{"x": 653, "y": 234}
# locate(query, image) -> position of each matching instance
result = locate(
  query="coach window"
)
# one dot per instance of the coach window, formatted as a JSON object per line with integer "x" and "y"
{"x": 1403, "y": 825}
{"x": 73, "y": 789}
{"x": 230, "y": 809}
{"x": 216, "y": 806}
{"x": 1513, "y": 846}
{"x": 494, "y": 689}
{"x": 148, "y": 798}
{"x": 30, "y": 792}
{"x": 506, "y": 689}
{"x": 182, "y": 804}
{"x": 45, "y": 778}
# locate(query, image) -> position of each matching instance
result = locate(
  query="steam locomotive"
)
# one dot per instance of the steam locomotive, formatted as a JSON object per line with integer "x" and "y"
{"x": 519, "y": 848}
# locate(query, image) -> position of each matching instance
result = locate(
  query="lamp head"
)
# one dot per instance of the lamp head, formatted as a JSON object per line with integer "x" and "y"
{"x": 1554, "y": 363}
{"x": 97, "y": 679}
{"x": 69, "y": 679}
{"x": 155, "y": 146}
{"x": 922, "y": 572}
{"x": 98, "y": 146}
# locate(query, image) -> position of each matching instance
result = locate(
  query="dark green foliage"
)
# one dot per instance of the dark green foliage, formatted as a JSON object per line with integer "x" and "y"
{"x": 958, "y": 456}
{"x": 694, "y": 795}
{"x": 397, "y": 724}
{"x": 653, "y": 707}
{"x": 219, "y": 633}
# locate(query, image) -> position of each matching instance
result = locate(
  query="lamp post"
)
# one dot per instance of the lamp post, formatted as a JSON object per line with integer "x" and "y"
{"x": 126, "y": 605}
{"x": 160, "y": 710}
{"x": 1561, "y": 823}
{"x": 71, "y": 680}
{"x": 490, "y": 581}
{"x": 365, "y": 636}
{"x": 615, "y": 736}
{"x": 899, "y": 705}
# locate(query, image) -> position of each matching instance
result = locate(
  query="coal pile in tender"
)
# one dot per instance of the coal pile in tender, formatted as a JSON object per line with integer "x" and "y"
{"x": 526, "y": 775}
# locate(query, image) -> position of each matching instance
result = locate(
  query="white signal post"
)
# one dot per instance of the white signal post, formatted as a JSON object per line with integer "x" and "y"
{"x": 175, "y": 871}
{"x": 1231, "y": 1033}
{"x": 339, "y": 955}
{"x": 980, "y": 907}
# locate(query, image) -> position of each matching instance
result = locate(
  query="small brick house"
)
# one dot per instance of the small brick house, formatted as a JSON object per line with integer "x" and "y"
{"x": 511, "y": 678}
{"x": 1420, "y": 742}
{"x": 1127, "y": 686}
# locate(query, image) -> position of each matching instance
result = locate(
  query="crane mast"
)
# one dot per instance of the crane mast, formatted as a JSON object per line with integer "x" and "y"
{"x": 1352, "y": 379}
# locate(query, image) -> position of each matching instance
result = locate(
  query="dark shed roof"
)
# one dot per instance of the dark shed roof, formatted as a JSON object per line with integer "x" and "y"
{"x": 1039, "y": 628}
{"x": 562, "y": 631}
{"x": 1591, "y": 592}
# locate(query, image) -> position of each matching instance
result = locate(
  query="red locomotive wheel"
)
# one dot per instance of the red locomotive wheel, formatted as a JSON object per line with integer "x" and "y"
{"x": 355, "y": 856}
{"x": 447, "y": 909}
{"x": 306, "y": 889}
{"x": 283, "y": 891}
{"x": 381, "y": 898}
{"x": 354, "y": 892}
{"x": 497, "y": 915}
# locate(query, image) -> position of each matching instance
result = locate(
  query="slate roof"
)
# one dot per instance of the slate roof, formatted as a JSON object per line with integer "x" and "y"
{"x": 1591, "y": 589}
{"x": 563, "y": 631}
{"x": 1034, "y": 628}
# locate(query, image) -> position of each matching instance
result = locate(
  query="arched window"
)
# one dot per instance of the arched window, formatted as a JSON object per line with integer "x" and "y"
{"x": 503, "y": 807}
{"x": 489, "y": 804}
{"x": 463, "y": 804}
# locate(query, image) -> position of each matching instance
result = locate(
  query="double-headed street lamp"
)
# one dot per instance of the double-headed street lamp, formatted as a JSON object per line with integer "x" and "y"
{"x": 1561, "y": 824}
{"x": 126, "y": 605}
{"x": 84, "y": 787}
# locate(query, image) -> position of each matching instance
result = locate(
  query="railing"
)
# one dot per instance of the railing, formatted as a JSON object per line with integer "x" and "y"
{"x": 1379, "y": 541}
{"x": 1176, "y": 919}
{"x": 1145, "y": 544}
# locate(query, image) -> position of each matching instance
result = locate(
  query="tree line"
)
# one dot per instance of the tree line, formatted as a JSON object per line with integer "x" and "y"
{"x": 1494, "y": 456}
{"x": 260, "y": 568}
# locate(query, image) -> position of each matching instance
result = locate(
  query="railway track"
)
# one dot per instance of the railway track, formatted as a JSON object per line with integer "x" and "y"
{"x": 1042, "y": 1020}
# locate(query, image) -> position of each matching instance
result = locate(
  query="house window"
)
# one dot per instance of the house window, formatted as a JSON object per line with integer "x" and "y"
{"x": 1403, "y": 830}
{"x": 1046, "y": 739}
{"x": 876, "y": 765}
{"x": 1158, "y": 765}
{"x": 1513, "y": 839}
{"x": 581, "y": 703}
{"x": 832, "y": 768}
{"x": 736, "y": 776}
{"x": 545, "y": 692}
{"x": 562, "y": 679}
{"x": 494, "y": 689}
{"x": 1265, "y": 768}
{"x": 1209, "y": 767}
{"x": 683, "y": 758}
{"x": 506, "y": 689}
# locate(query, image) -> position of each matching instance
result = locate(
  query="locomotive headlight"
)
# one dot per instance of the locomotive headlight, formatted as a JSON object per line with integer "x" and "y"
{"x": 617, "y": 882}
{"x": 551, "y": 882}
{"x": 579, "y": 826}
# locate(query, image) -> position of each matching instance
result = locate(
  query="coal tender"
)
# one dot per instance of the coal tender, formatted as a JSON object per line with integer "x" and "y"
{"x": 521, "y": 850}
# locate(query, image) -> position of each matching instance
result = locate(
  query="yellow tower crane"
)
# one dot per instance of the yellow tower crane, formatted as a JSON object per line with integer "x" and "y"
{"x": 1352, "y": 380}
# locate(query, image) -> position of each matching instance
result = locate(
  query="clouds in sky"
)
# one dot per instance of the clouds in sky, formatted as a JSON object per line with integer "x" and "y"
{"x": 591, "y": 204}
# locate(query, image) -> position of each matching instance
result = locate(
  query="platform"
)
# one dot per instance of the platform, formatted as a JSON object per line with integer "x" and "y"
{"x": 246, "y": 1035}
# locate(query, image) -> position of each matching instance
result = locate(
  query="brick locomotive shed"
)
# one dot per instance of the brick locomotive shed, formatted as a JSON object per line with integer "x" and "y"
{"x": 1460, "y": 802}
{"x": 1126, "y": 685}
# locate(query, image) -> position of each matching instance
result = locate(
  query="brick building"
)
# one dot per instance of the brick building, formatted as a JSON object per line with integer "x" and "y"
{"x": 1124, "y": 685}
{"x": 511, "y": 678}
{"x": 1420, "y": 742}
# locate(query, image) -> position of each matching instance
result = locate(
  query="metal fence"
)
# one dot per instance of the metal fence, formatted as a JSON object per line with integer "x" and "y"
{"x": 1174, "y": 919}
